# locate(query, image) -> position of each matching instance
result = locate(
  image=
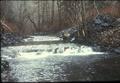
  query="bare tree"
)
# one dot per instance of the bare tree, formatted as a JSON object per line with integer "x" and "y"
{"x": 38, "y": 16}
{"x": 52, "y": 17}
{"x": 96, "y": 7}
{"x": 59, "y": 11}
{"x": 83, "y": 17}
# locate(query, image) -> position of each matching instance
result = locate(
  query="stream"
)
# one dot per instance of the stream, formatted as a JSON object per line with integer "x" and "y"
{"x": 47, "y": 58}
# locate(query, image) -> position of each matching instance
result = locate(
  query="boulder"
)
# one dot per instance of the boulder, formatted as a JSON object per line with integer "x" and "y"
{"x": 103, "y": 30}
{"x": 9, "y": 39}
{"x": 69, "y": 34}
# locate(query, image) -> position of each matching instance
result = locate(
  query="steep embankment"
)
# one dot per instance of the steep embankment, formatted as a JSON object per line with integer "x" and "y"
{"x": 104, "y": 30}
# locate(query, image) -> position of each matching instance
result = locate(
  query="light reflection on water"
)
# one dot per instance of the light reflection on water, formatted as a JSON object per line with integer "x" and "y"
{"x": 41, "y": 51}
{"x": 53, "y": 62}
{"x": 49, "y": 62}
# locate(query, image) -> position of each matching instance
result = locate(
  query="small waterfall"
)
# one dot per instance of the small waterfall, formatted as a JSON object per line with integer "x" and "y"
{"x": 79, "y": 51}
{"x": 39, "y": 62}
{"x": 42, "y": 51}
{"x": 48, "y": 50}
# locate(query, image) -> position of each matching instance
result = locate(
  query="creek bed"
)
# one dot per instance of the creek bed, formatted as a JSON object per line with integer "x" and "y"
{"x": 52, "y": 60}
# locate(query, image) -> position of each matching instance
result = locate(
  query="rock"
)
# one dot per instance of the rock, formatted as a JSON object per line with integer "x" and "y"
{"x": 4, "y": 65}
{"x": 69, "y": 34}
{"x": 103, "y": 30}
{"x": 101, "y": 22}
{"x": 117, "y": 50}
{"x": 9, "y": 39}
{"x": 5, "y": 68}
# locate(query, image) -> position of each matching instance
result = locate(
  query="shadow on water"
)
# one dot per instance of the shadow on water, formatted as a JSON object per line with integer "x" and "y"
{"x": 90, "y": 68}
{"x": 76, "y": 68}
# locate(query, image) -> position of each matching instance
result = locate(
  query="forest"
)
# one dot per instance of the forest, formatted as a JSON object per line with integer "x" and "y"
{"x": 29, "y": 17}
{"x": 65, "y": 27}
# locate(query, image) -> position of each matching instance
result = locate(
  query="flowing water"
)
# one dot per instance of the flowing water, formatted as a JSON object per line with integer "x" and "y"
{"x": 46, "y": 58}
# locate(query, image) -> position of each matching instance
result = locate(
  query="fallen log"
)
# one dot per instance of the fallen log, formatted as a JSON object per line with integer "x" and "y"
{"x": 5, "y": 26}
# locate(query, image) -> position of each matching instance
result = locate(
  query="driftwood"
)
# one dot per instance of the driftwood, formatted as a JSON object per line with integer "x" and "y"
{"x": 5, "y": 26}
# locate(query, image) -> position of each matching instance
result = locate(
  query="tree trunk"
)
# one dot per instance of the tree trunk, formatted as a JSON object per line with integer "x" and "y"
{"x": 38, "y": 28}
{"x": 52, "y": 17}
